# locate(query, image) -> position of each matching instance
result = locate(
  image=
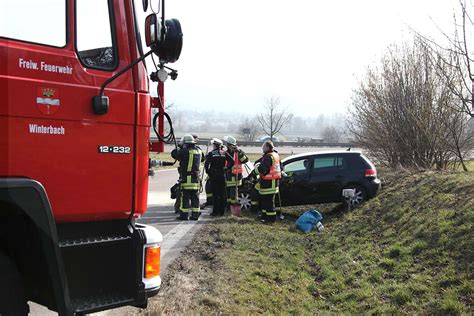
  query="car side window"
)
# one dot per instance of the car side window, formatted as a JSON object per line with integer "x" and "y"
{"x": 296, "y": 167}
{"x": 328, "y": 163}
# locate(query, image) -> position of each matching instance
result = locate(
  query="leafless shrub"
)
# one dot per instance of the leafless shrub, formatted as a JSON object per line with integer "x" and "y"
{"x": 332, "y": 134}
{"x": 405, "y": 115}
{"x": 248, "y": 129}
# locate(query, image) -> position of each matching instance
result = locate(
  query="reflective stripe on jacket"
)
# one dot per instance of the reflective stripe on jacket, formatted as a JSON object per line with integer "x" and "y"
{"x": 237, "y": 167}
{"x": 234, "y": 175}
{"x": 275, "y": 170}
{"x": 190, "y": 157}
{"x": 191, "y": 182}
{"x": 268, "y": 180}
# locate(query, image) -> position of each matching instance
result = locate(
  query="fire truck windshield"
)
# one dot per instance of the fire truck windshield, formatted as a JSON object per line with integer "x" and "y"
{"x": 40, "y": 21}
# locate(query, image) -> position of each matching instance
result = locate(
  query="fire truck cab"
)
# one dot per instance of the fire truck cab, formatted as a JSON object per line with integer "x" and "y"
{"x": 74, "y": 154}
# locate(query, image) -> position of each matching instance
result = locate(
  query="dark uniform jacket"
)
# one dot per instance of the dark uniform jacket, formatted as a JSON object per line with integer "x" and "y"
{"x": 215, "y": 164}
{"x": 190, "y": 158}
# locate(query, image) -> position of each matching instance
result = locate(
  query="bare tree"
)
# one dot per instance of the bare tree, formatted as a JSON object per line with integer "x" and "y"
{"x": 273, "y": 119}
{"x": 332, "y": 134}
{"x": 248, "y": 129}
{"x": 405, "y": 115}
{"x": 456, "y": 56}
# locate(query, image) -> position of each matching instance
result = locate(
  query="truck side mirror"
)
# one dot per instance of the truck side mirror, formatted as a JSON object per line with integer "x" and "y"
{"x": 165, "y": 42}
{"x": 153, "y": 30}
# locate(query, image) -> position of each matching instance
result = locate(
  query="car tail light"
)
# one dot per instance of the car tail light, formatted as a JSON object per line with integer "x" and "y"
{"x": 371, "y": 173}
{"x": 152, "y": 262}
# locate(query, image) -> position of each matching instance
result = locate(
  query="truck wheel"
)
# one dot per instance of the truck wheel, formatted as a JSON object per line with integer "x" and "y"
{"x": 12, "y": 294}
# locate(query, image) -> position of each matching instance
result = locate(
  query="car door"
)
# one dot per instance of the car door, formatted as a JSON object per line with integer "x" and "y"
{"x": 294, "y": 186}
{"x": 326, "y": 179}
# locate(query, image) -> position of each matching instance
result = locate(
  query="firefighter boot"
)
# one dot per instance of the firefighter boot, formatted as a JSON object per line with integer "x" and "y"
{"x": 183, "y": 216}
{"x": 195, "y": 216}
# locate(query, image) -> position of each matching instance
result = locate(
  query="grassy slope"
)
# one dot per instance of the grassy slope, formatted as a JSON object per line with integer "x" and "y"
{"x": 409, "y": 250}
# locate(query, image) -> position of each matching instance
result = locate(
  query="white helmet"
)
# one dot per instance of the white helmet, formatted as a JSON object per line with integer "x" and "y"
{"x": 216, "y": 141}
{"x": 230, "y": 140}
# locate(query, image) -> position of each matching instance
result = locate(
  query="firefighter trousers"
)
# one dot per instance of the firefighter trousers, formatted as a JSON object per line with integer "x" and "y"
{"x": 267, "y": 204}
{"x": 232, "y": 192}
{"x": 219, "y": 195}
{"x": 190, "y": 202}
{"x": 254, "y": 200}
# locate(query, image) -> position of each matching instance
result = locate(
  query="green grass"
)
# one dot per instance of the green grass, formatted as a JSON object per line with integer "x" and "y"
{"x": 410, "y": 250}
{"x": 470, "y": 165}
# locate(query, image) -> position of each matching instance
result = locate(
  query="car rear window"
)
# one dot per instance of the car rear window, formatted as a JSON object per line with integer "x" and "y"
{"x": 365, "y": 162}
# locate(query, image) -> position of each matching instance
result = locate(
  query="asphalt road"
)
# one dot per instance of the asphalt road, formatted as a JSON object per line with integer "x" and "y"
{"x": 160, "y": 214}
{"x": 176, "y": 234}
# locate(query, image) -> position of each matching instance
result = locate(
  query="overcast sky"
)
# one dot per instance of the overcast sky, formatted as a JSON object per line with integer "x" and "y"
{"x": 310, "y": 53}
{"x": 236, "y": 53}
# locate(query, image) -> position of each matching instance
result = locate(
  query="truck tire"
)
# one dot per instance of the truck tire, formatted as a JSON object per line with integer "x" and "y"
{"x": 12, "y": 295}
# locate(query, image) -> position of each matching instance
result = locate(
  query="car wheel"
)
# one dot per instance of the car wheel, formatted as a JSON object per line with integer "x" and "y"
{"x": 245, "y": 201}
{"x": 359, "y": 197}
{"x": 12, "y": 294}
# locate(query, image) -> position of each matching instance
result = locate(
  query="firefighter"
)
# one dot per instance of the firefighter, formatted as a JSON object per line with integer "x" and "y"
{"x": 216, "y": 162}
{"x": 268, "y": 169}
{"x": 190, "y": 157}
{"x": 234, "y": 174}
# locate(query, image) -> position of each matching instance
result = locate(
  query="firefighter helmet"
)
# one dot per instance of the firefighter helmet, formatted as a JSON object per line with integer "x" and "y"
{"x": 216, "y": 141}
{"x": 230, "y": 140}
{"x": 188, "y": 139}
{"x": 267, "y": 145}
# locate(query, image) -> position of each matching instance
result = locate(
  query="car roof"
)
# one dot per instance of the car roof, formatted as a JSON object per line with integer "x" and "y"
{"x": 317, "y": 153}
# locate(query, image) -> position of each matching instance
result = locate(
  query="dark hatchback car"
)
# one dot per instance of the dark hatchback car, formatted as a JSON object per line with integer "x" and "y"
{"x": 321, "y": 177}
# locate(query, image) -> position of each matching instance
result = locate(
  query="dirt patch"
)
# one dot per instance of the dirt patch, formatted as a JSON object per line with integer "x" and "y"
{"x": 186, "y": 283}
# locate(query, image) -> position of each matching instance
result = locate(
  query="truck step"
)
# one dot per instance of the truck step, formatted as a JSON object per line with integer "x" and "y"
{"x": 91, "y": 240}
{"x": 94, "y": 303}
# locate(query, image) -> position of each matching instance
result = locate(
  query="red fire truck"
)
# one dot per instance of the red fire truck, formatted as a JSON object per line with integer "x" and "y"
{"x": 75, "y": 113}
